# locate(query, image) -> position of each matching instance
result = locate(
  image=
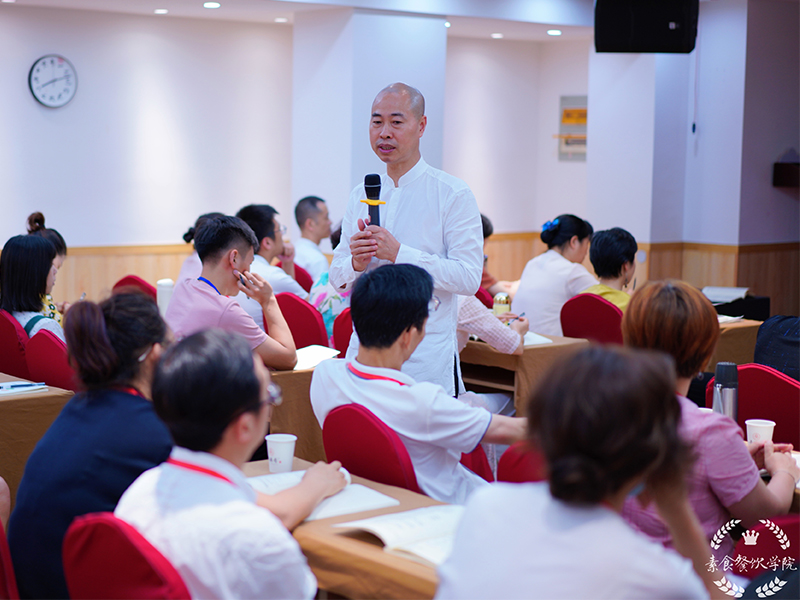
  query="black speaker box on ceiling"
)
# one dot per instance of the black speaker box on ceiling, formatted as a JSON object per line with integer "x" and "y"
{"x": 645, "y": 25}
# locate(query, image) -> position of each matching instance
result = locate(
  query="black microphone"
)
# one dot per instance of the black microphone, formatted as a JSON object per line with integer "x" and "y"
{"x": 372, "y": 186}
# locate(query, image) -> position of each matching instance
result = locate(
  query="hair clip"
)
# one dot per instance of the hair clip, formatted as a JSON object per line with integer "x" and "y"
{"x": 550, "y": 225}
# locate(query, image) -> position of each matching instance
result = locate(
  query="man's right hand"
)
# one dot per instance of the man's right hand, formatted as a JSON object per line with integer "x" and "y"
{"x": 326, "y": 478}
{"x": 255, "y": 286}
{"x": 362, "y": 247}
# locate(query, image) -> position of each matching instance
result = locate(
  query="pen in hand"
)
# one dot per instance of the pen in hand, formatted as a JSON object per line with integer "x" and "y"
{"x": 517, "y": 317}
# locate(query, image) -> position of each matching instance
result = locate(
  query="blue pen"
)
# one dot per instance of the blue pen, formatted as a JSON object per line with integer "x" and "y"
{"x": 518, "y": 317}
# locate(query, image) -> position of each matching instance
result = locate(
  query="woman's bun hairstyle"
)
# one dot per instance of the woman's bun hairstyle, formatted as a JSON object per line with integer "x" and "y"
{"x": 35, "y": 222}
{"x": 561, "y": 230}
{"x": 36, "y": 227}
{"x": 192, "y": 231}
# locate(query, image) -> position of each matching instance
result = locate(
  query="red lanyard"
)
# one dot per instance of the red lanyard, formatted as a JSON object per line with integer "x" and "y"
{"x": 199, "y": 469}
{"x": 363, "y": 375}
{"x": 131, "y": 390}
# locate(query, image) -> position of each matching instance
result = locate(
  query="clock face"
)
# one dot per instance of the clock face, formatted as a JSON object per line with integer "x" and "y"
{"x": 53, "y": 80}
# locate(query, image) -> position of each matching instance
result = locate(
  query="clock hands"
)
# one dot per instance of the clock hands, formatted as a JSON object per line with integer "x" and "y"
{"x": 54, "y": 80}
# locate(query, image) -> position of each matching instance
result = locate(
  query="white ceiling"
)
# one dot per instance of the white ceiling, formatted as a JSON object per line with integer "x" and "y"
{"x": 266, "y": 11}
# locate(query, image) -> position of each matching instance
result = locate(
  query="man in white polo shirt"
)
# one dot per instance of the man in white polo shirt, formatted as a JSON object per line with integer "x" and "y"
{"x": 314, "y": 222}
{"x": 390, "y": 307}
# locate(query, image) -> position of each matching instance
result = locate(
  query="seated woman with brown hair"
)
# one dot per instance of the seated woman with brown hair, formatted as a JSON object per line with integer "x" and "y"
{"x": 724, "y": 484}
{"x": 606, "y": 421}
{"x": 102, "y": 440}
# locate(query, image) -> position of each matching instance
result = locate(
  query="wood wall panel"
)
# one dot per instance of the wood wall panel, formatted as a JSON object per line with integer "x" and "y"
{"x": 709, "y": 264}
{"x": 666, "y": 261}
{"x": 509, "y": 253}
{"x": 772, "y": 270}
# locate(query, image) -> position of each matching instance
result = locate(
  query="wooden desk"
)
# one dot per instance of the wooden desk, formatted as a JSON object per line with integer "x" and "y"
{"x": 737, "y": 343}
{"x": 295, "y": 415}
{"x": 24, "y": 418}
{"x": 485, "y": 369}
{"x": 354, "y": 564}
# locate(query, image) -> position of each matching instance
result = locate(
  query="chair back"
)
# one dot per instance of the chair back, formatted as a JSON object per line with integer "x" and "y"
{"x": 367, "y": 447}
{"x": 765, "y": 393}
{"x": 137, "y": 282}
{"x": 477, "y": 462}
{"x": 521, "y": 463}
{"x": 47, "y": 361}
{"x": 777, "y": 537}
{"x": 591, "y": 317}
{"x": 305, "y": 322}
{"x": 485, "y": 297}
{"x": 8, "y": 582}
{"x": 13, "y": 341}
{"x": 342, "y": 330}
{"x": 105, "y": 557}
{"x": 301, "y": 276}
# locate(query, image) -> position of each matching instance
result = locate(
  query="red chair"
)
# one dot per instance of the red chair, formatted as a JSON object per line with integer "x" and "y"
{"x": 104, "y": 557}
{"x": 771, "y": 542}
{"x": 477, "y": 462}
{"x": 521, "y": 463}
{"x": 304, "y": 320}
{"x": 8, "y": 582}
{"x": 485, "y": 297}
{"x": 591, "y": 317}
{"x": 765, "y": 393}
{"x": 342, "y": 330}
{"x": 301, "y": 276}
{"x": 13, "y": 341}
{"x": 47, "y": 361}
{"x": 367, "y": 447}
{"x": 137, "y": 282}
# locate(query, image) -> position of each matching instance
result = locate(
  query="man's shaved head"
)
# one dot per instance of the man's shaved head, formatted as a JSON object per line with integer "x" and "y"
{"x": 416, "y": 101}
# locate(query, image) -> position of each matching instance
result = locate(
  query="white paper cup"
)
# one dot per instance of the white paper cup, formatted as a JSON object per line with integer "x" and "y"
{"x": 759, "y": 430}
{"x": 280, "y": 449}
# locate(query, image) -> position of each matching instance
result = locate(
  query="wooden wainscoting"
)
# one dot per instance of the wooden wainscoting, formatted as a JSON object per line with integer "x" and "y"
{"x": 772, "y": 270}
{"x": 95, "y": 270}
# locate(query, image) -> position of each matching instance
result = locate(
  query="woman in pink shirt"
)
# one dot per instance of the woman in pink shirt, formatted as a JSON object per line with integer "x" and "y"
{"x": 724, "y": 484}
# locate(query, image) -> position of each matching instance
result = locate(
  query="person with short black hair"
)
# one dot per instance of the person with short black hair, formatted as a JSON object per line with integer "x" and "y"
{"x": 27, "y": 276}
{"x": 613, "y": 256}
{"x": 226, "y": 246}
{"x": 390, "y": 308}
{"x": 192, "y": 267}
{"x": 552, "y": 278}
{"x": 102, "y": 440}
{"x": 606, "y": 421}
{"x": 197, "y": 509}
{"x": 314, "y": 222}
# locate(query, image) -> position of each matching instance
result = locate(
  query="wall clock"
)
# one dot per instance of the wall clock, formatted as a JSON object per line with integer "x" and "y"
{"x": 53, "y": 81}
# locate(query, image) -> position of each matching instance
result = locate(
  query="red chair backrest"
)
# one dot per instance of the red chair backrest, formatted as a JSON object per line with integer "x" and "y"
{"x": 47, "y": 361}
{"x": 591, "y": 317}
{"x": 305, "y": 322}
{"x": 477, "y": 462}
{"x": 765, "y": 393}
{"x": 104, "y": 557}
{"x": 779, "y": 537}
{"x": 485, "y": 297}
{"x": 521, "y": 463}
{"x": 342, "y": 330}
{"x": 13, "y": 341}
{"x": 8, "y": 582}
{"x": 301, "y": 276}
{"x": 367, "y": 447}
{"x": 137, "y": 282}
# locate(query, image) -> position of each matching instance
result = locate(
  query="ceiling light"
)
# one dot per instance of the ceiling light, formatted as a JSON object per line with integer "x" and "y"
{"x": 8, "y": 1}
{"x": 447, "y": 24}
{"x": 211, "y": 4}
{"x": 553, "y": 32}
{"x": 497, "y": 36}
{"x": 281, "y": 20}
{"x": 161, "y": 11}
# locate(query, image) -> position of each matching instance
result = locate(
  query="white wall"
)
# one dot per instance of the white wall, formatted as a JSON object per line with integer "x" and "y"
{"x": 560, "y": 185}
{"x": 714, "y": 152}
{"x": 172, "y": 118}
{"x": 491, "y": 126}
{"x": 771, "y": 121}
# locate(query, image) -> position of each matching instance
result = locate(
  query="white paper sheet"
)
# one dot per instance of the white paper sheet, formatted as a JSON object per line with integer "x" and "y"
{"x": 310, "y": 356}
{"x": 534, "y": 339}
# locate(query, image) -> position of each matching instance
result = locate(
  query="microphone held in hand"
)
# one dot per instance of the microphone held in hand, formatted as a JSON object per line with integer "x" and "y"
{"x": 372, "y": 187}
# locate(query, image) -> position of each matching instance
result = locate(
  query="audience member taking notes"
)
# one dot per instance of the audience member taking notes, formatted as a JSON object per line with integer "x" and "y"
{"x": 226, "y": 246}
{"x": 552, "y": 278}
{"x": 102, "y": 440}
{"x": 314, "y": 222}
{"x": 613, "y": 256}
{"x": 606, "y": 421}
{"x": 724, "y": 484}
{"x": 197, "y": 509}
{"x": 390, "y": 308}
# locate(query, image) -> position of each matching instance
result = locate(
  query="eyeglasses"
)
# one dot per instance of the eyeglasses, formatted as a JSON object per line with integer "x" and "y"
{"x": 274, "y": 395}
{"x": 434, "y": 303}
{"x": 282, "y": 229}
